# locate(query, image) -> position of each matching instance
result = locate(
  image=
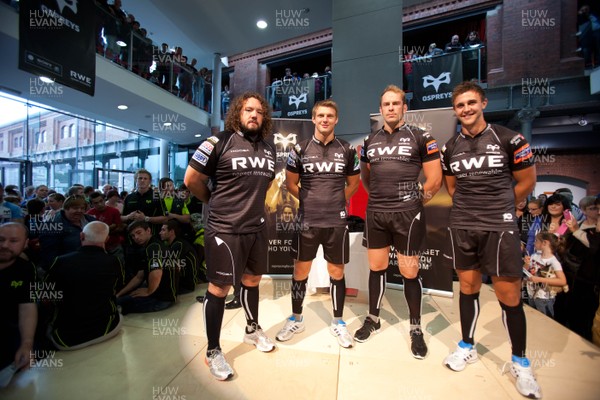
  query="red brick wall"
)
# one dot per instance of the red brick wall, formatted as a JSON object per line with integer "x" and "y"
{"x": 585, "y": 167}
{"x": 250, "y": 74}
{"x": 431, "y": 10}
{"x": 518, "y": 49}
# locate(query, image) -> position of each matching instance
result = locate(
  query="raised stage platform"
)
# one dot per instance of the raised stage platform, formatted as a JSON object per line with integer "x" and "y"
{"x": 161, "y": 356}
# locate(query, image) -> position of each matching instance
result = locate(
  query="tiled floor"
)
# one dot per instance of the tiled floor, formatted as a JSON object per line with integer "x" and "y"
{"x": 161, "y": 356}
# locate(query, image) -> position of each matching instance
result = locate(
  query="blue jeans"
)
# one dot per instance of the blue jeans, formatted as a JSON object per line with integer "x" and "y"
{"x": 142, "y": 304}
{"x": 546, "y": 306}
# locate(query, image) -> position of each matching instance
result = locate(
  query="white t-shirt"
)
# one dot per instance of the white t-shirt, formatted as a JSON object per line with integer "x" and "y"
{"x": 543, "y": 267}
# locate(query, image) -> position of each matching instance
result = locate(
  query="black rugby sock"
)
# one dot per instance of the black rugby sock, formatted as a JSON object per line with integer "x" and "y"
{"x": 377, "y": 281}
{"x": 469, "y": 312}
{"x": 298, "y": 292}
{"x": 337, "y": 289}
{"x": 514, "y": 321}
{"x": 249, "y": 301}
{"x": 413, "y": 293}
{"x": 214, "y": 308}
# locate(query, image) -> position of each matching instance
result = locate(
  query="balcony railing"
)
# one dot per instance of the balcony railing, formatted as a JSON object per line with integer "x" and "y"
{"x": 473, "y": 64}
{"x": 119, "y": 42}
{"x": 315, "y": 87}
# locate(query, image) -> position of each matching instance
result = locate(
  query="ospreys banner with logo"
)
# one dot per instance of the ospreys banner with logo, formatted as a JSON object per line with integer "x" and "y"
{"x": 435, "y": 267}
{"x": 57, "y": 40}
{"x": 297, "y": 98}
{"x": 281, "y": 206}
{"x": 435, "y": 79}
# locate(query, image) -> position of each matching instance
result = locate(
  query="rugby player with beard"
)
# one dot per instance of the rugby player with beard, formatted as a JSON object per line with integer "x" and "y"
{"x": 240, "y": 166}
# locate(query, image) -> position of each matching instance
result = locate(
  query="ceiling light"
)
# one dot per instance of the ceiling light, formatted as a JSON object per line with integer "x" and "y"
{"x": 122, "y": 107}
{"x": 45, "y": 79}
{"x": 261, "y": 23}
{"x": 582, "y": 121}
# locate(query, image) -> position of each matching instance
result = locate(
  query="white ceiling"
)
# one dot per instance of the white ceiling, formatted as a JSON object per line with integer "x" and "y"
{"x": 228, "y": 27}
{"x": 200, "y": 27}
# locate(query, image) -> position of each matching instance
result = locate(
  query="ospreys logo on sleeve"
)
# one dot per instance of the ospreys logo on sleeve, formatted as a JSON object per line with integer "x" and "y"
{"x": 516, "y": 139}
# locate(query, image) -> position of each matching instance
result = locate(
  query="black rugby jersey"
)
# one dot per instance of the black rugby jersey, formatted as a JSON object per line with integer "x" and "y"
{"x": 396, "y": 160}
{"x": 148, "y": 203}
{"x": 240, "y": 170}
{"x": 155, "y": 258}
{"x": 323, "y": 169}
{"x": 484, "y": 198}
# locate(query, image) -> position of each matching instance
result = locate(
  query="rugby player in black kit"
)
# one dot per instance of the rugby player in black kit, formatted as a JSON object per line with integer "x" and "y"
{"x": 241, "y": 165}
{"x": 323, "y": 173}
{"x": 391, "y": 160}
{"x": 480, "y": 164}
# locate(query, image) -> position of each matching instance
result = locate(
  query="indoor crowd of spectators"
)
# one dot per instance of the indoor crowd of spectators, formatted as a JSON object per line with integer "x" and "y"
{"x": 72, "y": 264}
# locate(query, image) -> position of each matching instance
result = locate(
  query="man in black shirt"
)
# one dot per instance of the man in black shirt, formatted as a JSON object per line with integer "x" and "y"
{"x": 87, "y": 280}
{"x": 391, "y": 160}
{"x": 241, "y": 166}
{"x": 143, "y": 204}
{"x": 323, "y": 172}
{"x": 162, "y": 280}
{"x": 480, "y": 165}
{"x": 181, "y": 255}
{"x": 18, "y": 314}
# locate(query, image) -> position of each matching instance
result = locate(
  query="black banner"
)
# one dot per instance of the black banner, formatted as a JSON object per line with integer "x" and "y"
{"x": 56, "y": 40}
{"x": 298, "y": 98}
{"x": 282, "y": 207}
{"x": 435, "y": 268}
{"x": 434, "y": 78}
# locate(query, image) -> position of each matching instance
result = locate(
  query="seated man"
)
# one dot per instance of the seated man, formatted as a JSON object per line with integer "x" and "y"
{"x": 87, "y": 312}
{"x": 111, "y": 217}
{"x": 18, "y": 314}
{"x": 181, "y": 256}
{"x": 62, "y": 235}
{"x": 161, "y": 290}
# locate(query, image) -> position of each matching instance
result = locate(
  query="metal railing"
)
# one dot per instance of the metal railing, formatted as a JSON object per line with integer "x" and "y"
{"x": 117, "y": 41}
{"x": 320, "y": 86}
{"x": 473, "y": 64}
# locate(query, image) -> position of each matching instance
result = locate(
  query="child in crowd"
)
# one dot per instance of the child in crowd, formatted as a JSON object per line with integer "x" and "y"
{"x": 546, "y": 277}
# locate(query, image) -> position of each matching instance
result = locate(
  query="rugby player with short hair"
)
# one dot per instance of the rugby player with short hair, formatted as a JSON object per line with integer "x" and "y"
{"x": 323, "y": 173}
{"x": 480, "y": 165}
{"x": 241, "y": 165}
{"x": 391, "y": 160}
